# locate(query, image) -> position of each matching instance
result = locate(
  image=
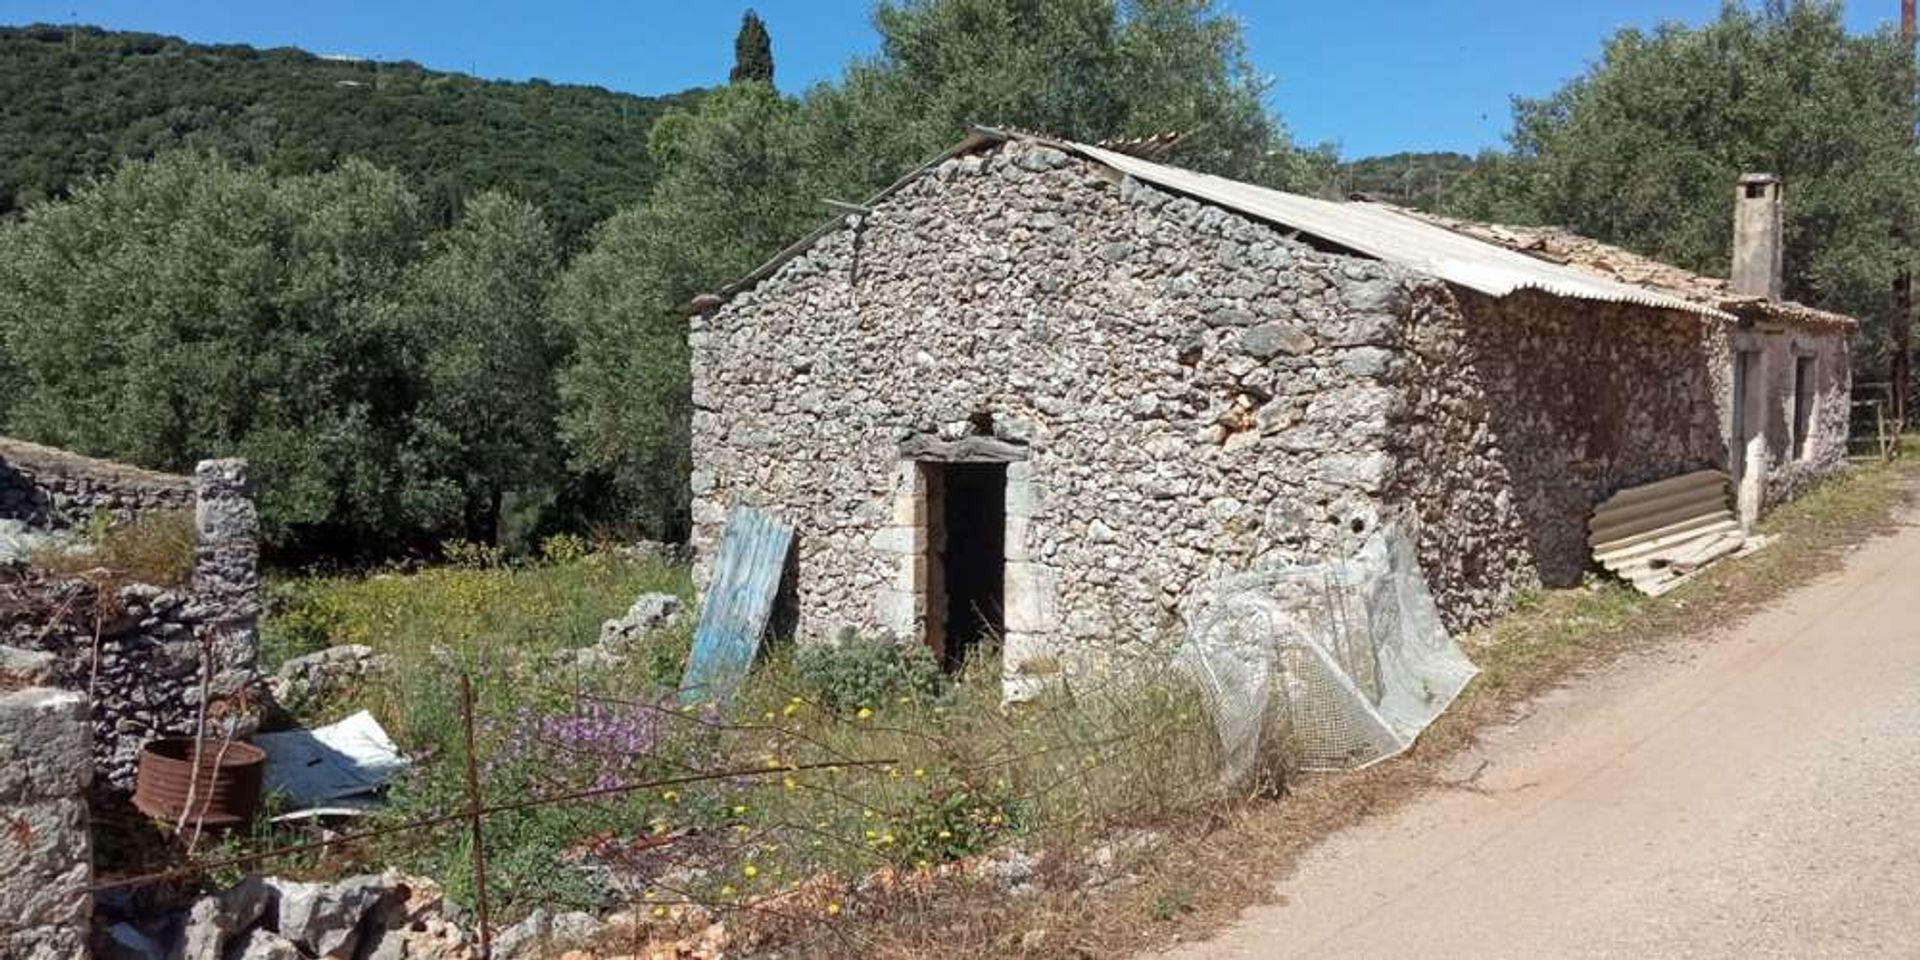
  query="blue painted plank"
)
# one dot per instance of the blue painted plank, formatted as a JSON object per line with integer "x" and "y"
{"x": 739, "y": 601}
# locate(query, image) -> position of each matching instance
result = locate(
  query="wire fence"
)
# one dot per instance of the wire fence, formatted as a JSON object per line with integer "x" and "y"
{"x": 786, "y": 807}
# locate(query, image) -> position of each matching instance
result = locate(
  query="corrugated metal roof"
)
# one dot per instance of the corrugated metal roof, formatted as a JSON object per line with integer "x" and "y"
{"x": 1391, "y": 236}
{"x": 1368, "y": 229}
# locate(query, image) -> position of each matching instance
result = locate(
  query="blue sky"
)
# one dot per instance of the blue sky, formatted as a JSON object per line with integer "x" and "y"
{"x": 1374, "y": 76}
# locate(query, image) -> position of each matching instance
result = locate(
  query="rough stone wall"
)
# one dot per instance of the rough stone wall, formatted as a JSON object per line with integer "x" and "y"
{"x": 136, "y": 649}
{"x": 55, "y": 489}
{"x": 1190, "y": 393}
{"x": 1584, "y": 398}
{"x": 1197, "y": 393}
{"x": 1449, "y": 479}
{"x": 46, "y": 853}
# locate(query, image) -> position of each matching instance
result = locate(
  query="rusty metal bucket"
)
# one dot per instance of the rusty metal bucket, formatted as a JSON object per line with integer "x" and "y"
{"x": 223, "y": 797}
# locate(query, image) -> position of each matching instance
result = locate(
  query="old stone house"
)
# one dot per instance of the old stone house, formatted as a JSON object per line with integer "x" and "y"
{"x": 1044, "y": 391}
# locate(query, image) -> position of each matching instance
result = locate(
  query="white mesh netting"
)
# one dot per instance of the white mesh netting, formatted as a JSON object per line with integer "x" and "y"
{"x": 1334, "y": 665}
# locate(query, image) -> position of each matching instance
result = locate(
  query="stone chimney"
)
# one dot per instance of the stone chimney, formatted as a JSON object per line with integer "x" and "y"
{"x": 1758, "y": 237}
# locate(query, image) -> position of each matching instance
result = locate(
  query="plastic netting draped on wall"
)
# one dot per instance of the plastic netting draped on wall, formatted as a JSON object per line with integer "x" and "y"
{"x": 1334, "y": 665}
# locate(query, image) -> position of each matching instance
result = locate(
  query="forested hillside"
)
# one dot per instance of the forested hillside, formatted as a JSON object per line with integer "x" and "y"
{"x": 386, "y": 286}
{"x": 1417, "y": 180}
{"x": 75, "y": 100}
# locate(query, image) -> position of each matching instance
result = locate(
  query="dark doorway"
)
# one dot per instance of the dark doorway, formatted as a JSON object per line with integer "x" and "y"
{"x": 971, "y": 552}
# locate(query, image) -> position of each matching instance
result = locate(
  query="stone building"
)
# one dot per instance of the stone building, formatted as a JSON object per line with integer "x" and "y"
{"x": 1043, "y": 391}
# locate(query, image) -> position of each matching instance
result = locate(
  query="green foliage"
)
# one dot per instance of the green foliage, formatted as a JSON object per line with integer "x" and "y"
{"x": 446, "y": 618}
{"x": 752, "y": 52}
{"x": 1085, "y": 69}
{"x": 1417, "y": 180}
{"x": 400, "y": 364}
{"x": 473, "y": 556}
{"x": 564, "y": 548}
{"x": 728, "y": 196}
{"x": 835, "y": 763}
{"x": 78, "y": 100}
{"x": 867, "y": 673}
{"x": 743, "y": 176}
{"x": 1644, "y": 149}
{"x": 474, "y": 309}
{"x": 387, "y": 383}
{"x": 957, "y": 816}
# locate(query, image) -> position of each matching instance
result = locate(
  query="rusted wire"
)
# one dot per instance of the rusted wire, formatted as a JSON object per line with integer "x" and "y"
{"x": 435, "y": 821}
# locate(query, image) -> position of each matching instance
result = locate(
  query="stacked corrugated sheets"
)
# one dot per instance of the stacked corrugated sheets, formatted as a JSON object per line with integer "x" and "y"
{"x": 1659, "y": 535}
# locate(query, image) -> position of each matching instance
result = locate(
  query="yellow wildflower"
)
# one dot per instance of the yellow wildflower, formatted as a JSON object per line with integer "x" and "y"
{"x": 864, "y": 713}
{"x": 750, "y": 871}
{"x": 833, "y": 909}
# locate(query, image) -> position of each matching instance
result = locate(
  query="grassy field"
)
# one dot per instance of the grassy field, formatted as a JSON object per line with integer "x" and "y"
{"x": 840, "y": 765}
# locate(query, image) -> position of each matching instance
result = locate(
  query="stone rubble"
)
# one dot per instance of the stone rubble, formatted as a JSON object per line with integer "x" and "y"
{"x": 622, "y": 636}
{"x": 652, "y": 611}
{"x": 383, "y": 917}
{"x": 215, "y": 921}
{"x": 304, "y": 681}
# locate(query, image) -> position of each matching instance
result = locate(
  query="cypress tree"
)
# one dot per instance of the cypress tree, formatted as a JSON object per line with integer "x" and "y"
{"x": 752, "y": 51}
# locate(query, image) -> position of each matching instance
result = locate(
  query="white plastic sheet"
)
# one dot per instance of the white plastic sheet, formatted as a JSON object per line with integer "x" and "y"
{"x": 1335, "y": 665}
{"x": 341, "y": 765}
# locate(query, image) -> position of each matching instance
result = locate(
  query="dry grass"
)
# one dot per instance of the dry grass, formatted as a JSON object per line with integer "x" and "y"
{"x": 155, "y": 548}
{"x": 1211, "y": 867}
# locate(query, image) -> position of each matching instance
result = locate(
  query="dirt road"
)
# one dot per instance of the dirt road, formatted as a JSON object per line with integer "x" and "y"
{"x": 1756, "y": 794}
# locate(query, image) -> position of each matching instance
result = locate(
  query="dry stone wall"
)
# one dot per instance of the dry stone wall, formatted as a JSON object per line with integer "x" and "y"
{"x": 1180, "y": 393}
{"x": 1584, "y": 398}
{"x": 54, "y": 489}
{"x": 1449, "y": 481}
{"x": 143, "y": 653}
{"x": 1197, "y": 394}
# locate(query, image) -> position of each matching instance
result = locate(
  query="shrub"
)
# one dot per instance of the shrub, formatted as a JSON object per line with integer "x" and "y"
{"x": 564, "y": 548}
{"x": 473, "y": 556}
{"x": 865, "y": 673}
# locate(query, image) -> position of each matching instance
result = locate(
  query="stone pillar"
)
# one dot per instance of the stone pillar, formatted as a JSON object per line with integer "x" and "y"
{"x": 46, "y": 856}
{"x": 226, "y": 584}
{"x": 1759, "y": 237}
{"x": 1032, "y": 614}
{"x": 899, "y": 608}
